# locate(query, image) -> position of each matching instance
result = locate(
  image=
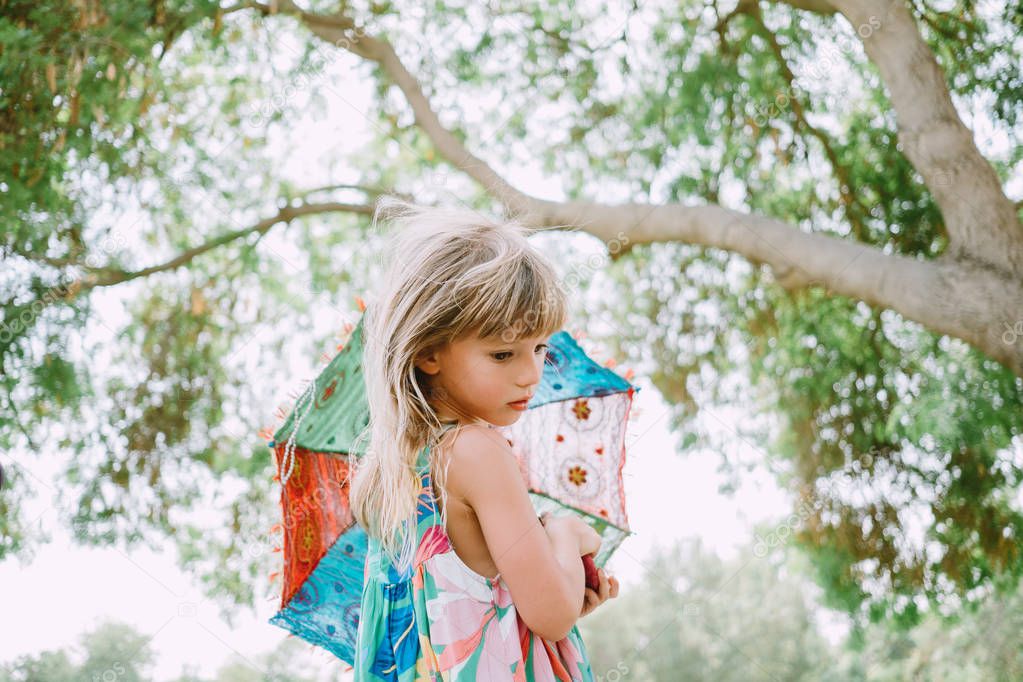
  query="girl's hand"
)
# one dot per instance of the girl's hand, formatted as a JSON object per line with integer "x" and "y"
{"x": 608, "y": 590}
{"x": 589, "y": 540}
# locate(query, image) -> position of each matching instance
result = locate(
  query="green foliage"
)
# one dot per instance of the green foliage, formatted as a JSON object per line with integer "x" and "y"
{"x": 117, "y": 651}
{"x": 75, "y": 81}
{"x": 160, "y": 408}
{"x": 879, "y": 439}
{"x": 111, "y": 651}
{"x": 696, "y": 617}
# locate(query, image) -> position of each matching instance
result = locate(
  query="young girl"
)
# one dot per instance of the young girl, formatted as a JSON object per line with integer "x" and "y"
{"x": 462, "y": 580}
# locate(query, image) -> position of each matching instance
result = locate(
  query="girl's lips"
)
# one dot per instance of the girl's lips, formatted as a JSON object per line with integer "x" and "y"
{"x": 521, "y": 405}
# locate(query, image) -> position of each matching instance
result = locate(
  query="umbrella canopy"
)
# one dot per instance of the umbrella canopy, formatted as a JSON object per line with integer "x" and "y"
{"x": 570, "y": 445}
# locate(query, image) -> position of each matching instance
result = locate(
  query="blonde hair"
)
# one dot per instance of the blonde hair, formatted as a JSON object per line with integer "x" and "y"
{"x": 453, "y": 272}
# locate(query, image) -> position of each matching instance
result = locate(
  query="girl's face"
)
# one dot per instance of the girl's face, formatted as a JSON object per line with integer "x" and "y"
{"x": 480, "y": 379}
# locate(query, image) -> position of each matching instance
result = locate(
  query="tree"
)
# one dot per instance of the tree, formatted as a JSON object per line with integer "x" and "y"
{"x": 795, "y": 213}
{"x": 696, "y": 617}
{"x": 111, "y": 651}
{"x": 116, "y": 651}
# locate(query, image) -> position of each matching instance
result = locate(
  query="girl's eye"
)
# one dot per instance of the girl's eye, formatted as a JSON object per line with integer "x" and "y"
{"x": 501, "y": 356}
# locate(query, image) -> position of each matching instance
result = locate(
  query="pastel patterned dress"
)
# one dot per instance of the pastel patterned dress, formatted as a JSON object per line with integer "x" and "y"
{"x": 443, "y": 621}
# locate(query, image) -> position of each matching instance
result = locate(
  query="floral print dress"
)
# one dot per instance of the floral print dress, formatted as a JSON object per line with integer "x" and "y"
{"x": 443, "y": 621}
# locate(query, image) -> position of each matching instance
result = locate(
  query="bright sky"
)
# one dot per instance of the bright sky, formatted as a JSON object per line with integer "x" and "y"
{"x": 65, "y": 591}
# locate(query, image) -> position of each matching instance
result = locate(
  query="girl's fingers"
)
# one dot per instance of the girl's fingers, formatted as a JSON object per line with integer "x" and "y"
{"x": 608, "y": 589}
{"x": 590, "y": 602}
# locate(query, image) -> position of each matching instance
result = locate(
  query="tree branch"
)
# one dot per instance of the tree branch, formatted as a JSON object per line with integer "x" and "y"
{"x": 104, "y": 277}
{"x": 742, "y": 7}
{"x": 818, "y": 6}
{"x": 845, "y": 187}
{"x": 365, "y": 189}
{"x": 982, "y": 222}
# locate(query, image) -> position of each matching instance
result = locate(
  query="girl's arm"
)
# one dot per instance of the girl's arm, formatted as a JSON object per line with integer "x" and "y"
{"x": 484, "y": 473}
{"x": 565, "y": 545}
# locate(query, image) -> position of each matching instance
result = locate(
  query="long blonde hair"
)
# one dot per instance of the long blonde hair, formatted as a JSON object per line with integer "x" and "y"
{"x": 453, "y": 272}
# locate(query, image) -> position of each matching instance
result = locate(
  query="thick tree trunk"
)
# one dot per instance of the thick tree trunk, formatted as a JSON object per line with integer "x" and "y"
{"x": 983, "y": 224}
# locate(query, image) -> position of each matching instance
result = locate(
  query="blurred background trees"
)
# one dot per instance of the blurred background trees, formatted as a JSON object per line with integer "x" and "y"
{"x": 114, "y": 651}
{"x": 695, "y": 617}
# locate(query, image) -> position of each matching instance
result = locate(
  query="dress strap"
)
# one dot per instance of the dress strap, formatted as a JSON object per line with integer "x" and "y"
{"x": 422, "y": 460}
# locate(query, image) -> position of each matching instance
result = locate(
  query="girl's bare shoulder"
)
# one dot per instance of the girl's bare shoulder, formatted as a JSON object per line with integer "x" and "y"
{"x": 474, "y": 437}
{"x": 471, "y": 451}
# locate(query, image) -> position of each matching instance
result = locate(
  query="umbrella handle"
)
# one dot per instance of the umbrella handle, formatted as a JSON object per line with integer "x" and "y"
{"x": 590, "y": 568}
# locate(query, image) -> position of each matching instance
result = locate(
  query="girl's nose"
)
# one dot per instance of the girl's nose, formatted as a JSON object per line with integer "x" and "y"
{"x": 532, "y": 374}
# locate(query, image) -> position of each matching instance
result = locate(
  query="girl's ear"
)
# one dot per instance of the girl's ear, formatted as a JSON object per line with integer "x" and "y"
{"x": 428, "y": 362}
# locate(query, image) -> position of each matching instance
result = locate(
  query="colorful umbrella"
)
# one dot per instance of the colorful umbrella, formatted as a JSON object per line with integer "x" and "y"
{"x": 570, "y": 445}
